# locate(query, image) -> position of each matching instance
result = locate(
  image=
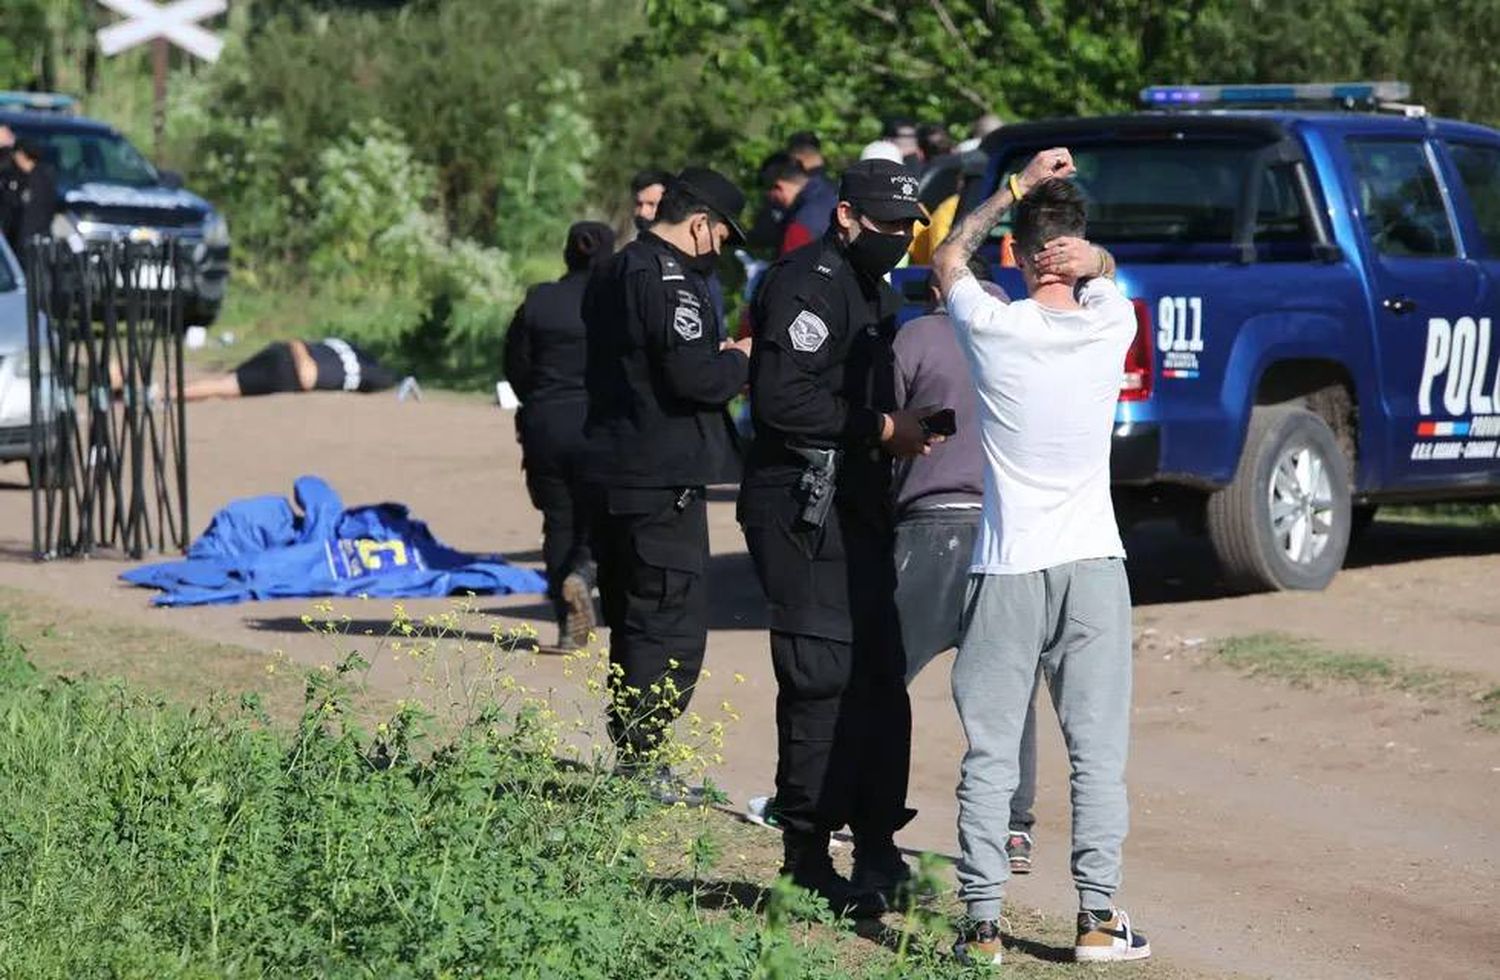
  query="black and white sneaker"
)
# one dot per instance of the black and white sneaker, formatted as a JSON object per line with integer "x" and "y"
{"x": 1108, "y": 940}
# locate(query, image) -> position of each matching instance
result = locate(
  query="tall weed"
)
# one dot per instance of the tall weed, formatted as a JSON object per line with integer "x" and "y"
{"x": 483, "y": 838}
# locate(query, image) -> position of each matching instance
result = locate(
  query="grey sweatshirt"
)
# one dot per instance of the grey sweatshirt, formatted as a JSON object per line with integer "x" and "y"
{"x": 931, "y": 370}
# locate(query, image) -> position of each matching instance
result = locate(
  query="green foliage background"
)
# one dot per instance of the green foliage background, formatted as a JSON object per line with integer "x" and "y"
{"x": 469, "y": 133}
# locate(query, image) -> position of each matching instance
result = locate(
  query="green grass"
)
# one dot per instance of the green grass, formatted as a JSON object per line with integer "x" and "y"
{"x": 1489, "y": 710}
{"x": 140, "y": 837}
{"x": 1450, "y": 515}
{"x": 1303, "y": 663}
{"x": 257, "y": 314}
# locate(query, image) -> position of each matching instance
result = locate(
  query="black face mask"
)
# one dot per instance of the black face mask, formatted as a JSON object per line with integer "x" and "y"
{"x": 874, "y": 254}
{"x": 705, "y": 263}
{"x": 642, "y": 222}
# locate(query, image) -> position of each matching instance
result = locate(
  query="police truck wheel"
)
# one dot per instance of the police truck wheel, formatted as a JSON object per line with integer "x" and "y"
{"x": 1284, "y": 522}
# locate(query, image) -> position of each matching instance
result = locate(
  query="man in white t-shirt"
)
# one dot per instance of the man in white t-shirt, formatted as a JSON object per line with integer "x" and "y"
{"x": 1048, "y": 581}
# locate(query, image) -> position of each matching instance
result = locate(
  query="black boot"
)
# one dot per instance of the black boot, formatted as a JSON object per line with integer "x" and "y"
{"x": 808, "y": 865}
{"x": 880, "y": 870}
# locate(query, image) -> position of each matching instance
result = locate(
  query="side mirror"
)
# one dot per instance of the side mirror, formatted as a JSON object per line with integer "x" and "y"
{"x": 170, "y": 179}
{"x": 914, "y": 290}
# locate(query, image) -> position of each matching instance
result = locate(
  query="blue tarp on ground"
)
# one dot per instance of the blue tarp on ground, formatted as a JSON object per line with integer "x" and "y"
{"x": 262, "y": 548}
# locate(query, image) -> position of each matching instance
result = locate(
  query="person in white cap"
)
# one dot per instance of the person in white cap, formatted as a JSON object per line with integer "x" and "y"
{"x": 881, "y": 150}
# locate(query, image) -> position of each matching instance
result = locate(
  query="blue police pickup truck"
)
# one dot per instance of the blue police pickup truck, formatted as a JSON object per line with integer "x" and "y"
{"x": 1316, "y": 276}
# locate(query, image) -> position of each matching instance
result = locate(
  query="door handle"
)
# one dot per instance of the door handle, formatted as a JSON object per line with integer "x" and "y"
{"x": 1399, "y": 305}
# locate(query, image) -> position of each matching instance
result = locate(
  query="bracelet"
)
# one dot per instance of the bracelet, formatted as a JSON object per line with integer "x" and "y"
{"x": 1103, "y": 263}
{"x": 1015, "y": 187}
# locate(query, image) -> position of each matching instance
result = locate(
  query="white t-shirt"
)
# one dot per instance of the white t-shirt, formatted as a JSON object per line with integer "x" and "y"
{"x": 1048, "y": 381}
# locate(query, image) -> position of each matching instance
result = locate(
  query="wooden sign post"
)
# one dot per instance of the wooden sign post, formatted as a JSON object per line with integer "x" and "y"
{"x": 162, "y": 23}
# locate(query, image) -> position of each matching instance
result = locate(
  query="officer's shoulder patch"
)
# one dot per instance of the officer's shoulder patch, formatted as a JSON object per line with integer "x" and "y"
{"x": 687, "y": 322}
{"x": 807, "y": 332}
{"x": 671, "y": 269}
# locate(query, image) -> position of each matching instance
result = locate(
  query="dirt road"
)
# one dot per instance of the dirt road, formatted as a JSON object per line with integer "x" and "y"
{"x": 1277, "y": 832}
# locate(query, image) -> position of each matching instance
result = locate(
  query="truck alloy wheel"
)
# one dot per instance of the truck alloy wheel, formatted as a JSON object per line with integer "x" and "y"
{"x": 1301, "y": 502}
{"x": 1284, "y": 522}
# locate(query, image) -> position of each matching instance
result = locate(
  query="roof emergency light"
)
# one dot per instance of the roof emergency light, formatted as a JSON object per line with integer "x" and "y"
{"x": 38, "y": 101}
{"x": 1345, "y": 93}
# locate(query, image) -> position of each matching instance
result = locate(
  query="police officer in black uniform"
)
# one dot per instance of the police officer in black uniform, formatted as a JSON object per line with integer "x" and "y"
{"x": 815, "y": 508}
{"x": 11, "y": 180}
{"x": 659, "y": 378}
{"x": 546, "y": 353}
{"x": 37, "y": 204}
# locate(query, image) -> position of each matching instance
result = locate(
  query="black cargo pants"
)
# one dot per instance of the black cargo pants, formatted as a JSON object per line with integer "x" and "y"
{"x": 555, "y": 491}
{"x": 651, "y": 546}
{"x": 843, "y": 719}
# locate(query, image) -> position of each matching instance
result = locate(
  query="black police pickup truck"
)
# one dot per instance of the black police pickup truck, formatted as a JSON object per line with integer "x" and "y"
{"x": 107, "y": 189}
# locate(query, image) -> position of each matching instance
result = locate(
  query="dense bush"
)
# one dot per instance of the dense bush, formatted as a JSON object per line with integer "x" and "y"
{"x": 517, "y": 117}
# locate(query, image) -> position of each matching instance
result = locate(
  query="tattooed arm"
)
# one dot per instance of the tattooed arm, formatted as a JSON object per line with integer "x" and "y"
{"x": 951, "y": 260}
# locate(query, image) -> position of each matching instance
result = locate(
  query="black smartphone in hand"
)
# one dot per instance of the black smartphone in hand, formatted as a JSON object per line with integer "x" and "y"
{"x": 940, "y": 423}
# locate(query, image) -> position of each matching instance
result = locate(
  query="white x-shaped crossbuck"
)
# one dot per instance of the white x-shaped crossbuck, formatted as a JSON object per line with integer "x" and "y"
{"x": 148, "y": 19}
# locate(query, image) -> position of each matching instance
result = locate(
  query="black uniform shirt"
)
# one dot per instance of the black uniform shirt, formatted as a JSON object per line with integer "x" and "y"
{"x": 546, "y": 346}
{"x": 38, "y": 205}
{"x": 822, "y": 372}
{"x": 658, "y": 383}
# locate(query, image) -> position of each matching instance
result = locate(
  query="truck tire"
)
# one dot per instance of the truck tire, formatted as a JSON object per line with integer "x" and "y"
{"x": 1284, "y": 522}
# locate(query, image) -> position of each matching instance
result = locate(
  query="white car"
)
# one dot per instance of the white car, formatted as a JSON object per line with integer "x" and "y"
{"x": 15, "y": 364}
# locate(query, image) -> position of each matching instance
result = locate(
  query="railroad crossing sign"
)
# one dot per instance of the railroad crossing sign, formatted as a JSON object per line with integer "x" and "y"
{"x": 160, "y": 23}
{"x": 176, "y": 22}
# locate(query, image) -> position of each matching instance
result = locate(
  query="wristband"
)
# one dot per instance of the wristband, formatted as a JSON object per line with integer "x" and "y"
{"x": 1015, "y": 187}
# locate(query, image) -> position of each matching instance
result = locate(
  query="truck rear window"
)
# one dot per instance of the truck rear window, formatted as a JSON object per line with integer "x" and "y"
{"x": 1166, "y": 191}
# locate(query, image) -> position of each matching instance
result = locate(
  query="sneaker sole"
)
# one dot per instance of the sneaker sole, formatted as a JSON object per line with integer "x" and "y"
{"x": 579, "y": 597}
{"x": 1020, "y": 866}
{"x": 1098, "y": 954}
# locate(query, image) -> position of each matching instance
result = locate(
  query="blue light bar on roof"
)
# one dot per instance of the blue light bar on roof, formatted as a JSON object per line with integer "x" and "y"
{"x": 37, "y": 101}
{"x": 1180, "y": 96}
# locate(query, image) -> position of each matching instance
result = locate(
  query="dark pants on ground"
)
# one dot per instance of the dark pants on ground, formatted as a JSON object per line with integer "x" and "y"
{"x": 843, "y": 719}
{"x": 652, "y": 550}
{"x": 555, "y": 491}
{"x": 934, "y": 551}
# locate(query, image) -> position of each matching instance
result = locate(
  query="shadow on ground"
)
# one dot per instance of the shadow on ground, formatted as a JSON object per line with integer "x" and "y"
{"x": 713, "y": 895}
{"x": 735, "y": 601}
{"x": 1167, "y": 565}
{"x": 376, "y": 629}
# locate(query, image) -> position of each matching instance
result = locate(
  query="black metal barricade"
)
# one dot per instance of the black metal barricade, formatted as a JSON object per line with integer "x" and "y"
{"x": 108, "y": 430}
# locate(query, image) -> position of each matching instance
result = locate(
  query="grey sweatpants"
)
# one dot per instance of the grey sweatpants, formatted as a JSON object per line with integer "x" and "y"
{"x": 1073, "y": 620}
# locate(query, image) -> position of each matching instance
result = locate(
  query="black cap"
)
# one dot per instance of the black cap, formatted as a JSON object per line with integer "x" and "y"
{"x": 718, "y": 192}
{"x": 884, "y": 190}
